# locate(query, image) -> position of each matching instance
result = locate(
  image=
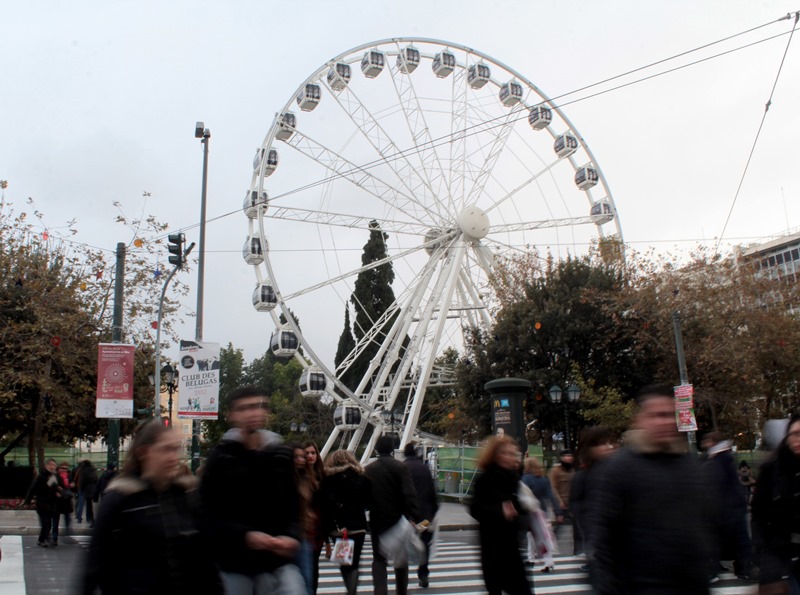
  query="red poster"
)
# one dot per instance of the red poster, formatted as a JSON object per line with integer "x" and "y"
{"x": 114, "y": 380}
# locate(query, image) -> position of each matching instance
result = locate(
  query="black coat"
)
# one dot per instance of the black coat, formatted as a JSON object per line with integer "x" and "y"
{"x": 776, "y": 517}
{"x": 46, "y": 489}
{"x": 424, "y": 486}
{"x": 652, "y": 524}
{"x": 393, "y": 494}
{"x": 148, "y": 541}
{"x": 86, "y": 481}
{"x": 500, "y": 556}
{"x": 345, "y": 496}
{"x": 249, "y": 490}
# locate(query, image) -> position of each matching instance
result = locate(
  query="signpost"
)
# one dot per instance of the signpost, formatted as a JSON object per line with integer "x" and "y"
{"x": 114, "y": 380}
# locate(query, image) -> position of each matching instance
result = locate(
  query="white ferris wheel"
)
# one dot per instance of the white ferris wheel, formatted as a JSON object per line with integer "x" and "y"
{"x": 459, "y": 159}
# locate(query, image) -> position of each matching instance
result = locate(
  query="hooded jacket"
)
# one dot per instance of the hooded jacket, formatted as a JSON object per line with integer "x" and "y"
{"x": 249, "y": 490}
{"x": 148, "y": 541}
{"x": 653, "y": 526}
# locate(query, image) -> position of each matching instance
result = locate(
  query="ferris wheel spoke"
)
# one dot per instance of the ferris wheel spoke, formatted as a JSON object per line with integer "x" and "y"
{"x": 501, "y": 134}
{"x": 521, "y": 186}
{"x": 370, "y": 266}
{"x": 343, "y": 220}
{"x": 418, "y": 127}
{"x": 458, "y": 136}
{"x": 360, "y": 176}
{"x": 547, "y": 223}
{"x": 478, "y": 303}
{"x": 391, "y": 155}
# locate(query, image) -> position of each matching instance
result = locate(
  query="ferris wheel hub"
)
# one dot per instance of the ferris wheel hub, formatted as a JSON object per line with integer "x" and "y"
{"x": 473, "y": 222}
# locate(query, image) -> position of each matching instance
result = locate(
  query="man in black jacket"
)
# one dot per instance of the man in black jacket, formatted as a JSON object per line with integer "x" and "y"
{"x": 46, "y": 488}
{"x": 251, "y": 504}
{"x": 428, "y": 503}
{"x": 653, "y": 523}
{"x": 393, "y": 496}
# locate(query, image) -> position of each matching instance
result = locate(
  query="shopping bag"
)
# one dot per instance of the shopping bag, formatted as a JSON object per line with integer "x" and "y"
{"x": 542, "y": 536}
{"x": 342, "y": 553}
{"x": 401, "y": 544}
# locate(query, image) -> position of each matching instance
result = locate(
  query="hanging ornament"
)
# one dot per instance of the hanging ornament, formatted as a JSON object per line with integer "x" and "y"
{"x": 537, "y": 326}
{"x": 55, "y": 341}
{"x": 18, "y": 283}
{"x": 99, "y": 274}
{"x": 45, "y": 236}
{"x": 138, "y": 242}
{"x": 154, "y": 324}
{"x": 156, "y": 273}
{"x": 83, "y": 286}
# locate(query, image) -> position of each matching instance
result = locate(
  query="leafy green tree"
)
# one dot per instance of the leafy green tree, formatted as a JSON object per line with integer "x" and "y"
{"x": 346, "y": 345}
{"x": 372, "y": 296}
{"x": 231, "y": 371}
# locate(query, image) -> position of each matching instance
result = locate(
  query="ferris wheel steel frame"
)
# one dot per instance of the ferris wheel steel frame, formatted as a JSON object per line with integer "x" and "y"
{"x": 430, "y": 197}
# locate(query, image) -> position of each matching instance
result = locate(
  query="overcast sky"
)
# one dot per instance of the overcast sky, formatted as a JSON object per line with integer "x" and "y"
{"x": 98, "y": 102}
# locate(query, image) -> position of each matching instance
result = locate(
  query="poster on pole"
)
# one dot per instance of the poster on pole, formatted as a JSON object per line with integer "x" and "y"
{"x": 114, "y": 380}
{"x": 684, "y": 408}
{"x": 198, "y": 381}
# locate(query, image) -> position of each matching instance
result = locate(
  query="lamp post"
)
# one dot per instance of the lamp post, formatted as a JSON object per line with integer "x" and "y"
{"x": 573, "y": 394}
{"x": 204, "y": 134}
{"x": 389, "y": 419}
{"x": 169, "y": 382}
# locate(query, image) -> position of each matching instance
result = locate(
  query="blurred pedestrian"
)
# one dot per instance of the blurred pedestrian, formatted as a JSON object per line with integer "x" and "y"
{"x": 560, "y": 477}
{"x": 746, "y": 480}
{"x": 734, "y": 538}
{"x": 776, "y": 517}
{"x": 147, "y": 537}
{"x": 307, "y": 489}
{"x": 46, "y": 488}
{"x": 496, "y": 508}
{"x": 250, "y": 503}
{"x": 652, "y": 527}
{"x": 428, "y": 505}
{"x": 315, "y": 469}
{"x": 102, "y": 484}
{"x": 86, "y": 484}
{"x": 345, "y": 497}
{"x": 594, "y": 446}
{"x": 543, "y": 492}
{"x": 65, "y": 500}
{"x": 393, "y": 497}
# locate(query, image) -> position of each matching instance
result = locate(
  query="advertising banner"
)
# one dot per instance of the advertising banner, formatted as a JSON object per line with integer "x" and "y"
{"x": 684, "y": 408}
{"x": 501, "y": 416}
{"x": 198, "y": 380}
{"x": 114, "y": 380}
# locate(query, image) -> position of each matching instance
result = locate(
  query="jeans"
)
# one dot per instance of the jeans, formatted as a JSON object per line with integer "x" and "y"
{"x": 423, "y": 572}
{"x": 304, "y": 561}
{"x": 350, "y": 573}
{"x": 89, "y": 508}
{"x": 285, "y": 580}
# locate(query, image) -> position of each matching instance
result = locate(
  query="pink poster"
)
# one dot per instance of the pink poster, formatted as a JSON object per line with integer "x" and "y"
{"x": 115, "y": 380}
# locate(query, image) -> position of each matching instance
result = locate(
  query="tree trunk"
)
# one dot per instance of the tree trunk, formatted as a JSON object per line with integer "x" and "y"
{"x": 35, "y": 443}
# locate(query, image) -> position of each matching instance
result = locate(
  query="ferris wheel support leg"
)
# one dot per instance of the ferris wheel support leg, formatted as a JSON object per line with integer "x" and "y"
{"x": 470, "y": 287}
{"x": 330, "y": 442}
{"x": 371, "y": 444}
{"x": 417, "y": 399}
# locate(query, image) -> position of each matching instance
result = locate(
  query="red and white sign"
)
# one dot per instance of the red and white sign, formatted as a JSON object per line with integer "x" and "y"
{"x": 115, "y": 380}
{"x": 684, "y": 408}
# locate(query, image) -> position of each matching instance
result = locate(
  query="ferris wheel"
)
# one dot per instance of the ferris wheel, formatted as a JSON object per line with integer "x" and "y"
{"x": 458, "y": 160}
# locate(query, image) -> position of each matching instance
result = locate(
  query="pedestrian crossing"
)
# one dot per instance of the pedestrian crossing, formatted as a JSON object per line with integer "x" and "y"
{"x": 456, "y": 569}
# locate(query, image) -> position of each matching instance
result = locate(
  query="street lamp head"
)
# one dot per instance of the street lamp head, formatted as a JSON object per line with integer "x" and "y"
{"x": 293, "y": 426}
{"x": 574, "y": 393}
{"x": 168, "y": 374}
{"x": 199, "y": 129}
{"x": 555, "y": 393}
{"x": 303, "y": 428}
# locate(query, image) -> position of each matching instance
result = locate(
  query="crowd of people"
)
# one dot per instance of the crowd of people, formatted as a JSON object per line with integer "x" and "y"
{"x": 650, "y": 517}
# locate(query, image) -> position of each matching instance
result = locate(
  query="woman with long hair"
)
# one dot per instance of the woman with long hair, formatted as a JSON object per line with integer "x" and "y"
{"x": 146, "y": 537}
{"x": 315, "y": 469}
{"x": 776, "y": 516}
{"x": 345, "y": 496}
{"x": 307, "y": 489}
{"x": 496, "y": 508}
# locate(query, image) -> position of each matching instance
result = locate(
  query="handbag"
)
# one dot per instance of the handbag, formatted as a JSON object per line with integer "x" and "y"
{"x": 343, "y": 549}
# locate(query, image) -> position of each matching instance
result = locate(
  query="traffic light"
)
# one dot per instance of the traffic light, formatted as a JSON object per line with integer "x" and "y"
{"x": 165, "y": 421}
{"x": 145, "y": 412}
{"x": 176, "y": 241}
